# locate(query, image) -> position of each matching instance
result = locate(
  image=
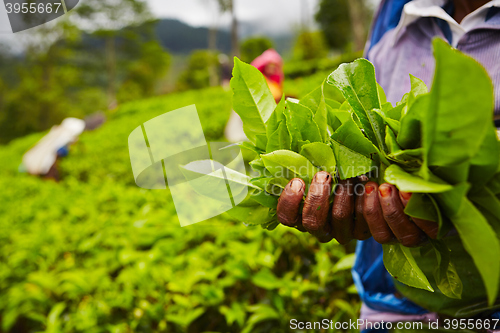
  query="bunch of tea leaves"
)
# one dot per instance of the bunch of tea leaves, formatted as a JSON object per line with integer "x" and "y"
{"x": 440, "y": 145}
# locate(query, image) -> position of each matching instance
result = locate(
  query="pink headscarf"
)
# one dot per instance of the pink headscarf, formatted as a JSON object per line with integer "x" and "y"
{"x": 270, "y": 57}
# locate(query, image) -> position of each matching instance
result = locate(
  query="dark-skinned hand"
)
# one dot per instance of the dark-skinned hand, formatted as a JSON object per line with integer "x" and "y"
{"x": 359, "y": 211}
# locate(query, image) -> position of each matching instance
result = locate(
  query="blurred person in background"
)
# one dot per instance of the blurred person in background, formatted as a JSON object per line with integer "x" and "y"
{"x": 400, "y": 43}
{"x": 270, "y": 64}
{"x": 41, "y": 160}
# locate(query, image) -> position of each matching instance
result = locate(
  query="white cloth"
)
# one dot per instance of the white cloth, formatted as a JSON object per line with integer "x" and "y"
{"x": 416, "y": 9}
{"x": 39, "y": 159}
{"x": 234, "y": 129}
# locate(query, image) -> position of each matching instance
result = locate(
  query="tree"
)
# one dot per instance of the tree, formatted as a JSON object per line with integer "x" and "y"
{"x": 144, "y": 73}
{"x": 310, "y": 45}
{"x": 62, "y": 72}
{"x": 228, "y": 6}
{"x": 197, "y": 73}
{"x": 254, "y": 47}
{"x": 344, "y": 23}
{"x": 106, "y": 18}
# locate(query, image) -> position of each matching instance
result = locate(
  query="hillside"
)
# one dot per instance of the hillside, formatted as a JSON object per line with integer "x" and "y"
{"x": 178, "y": 37}
{"x": 96, "y": 253}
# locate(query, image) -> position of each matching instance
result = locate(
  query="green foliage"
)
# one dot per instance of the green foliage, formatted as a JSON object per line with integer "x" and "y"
{"x": 400, "y": 262}
{"x": 310, "y": 45}
{"x": 145, "y": 72}
{"x": 303, "y": 69}
{"x": 253, "y": 47}
{"x": 364, "y": 132}
{"x": 49, "y": 89}
{"x": 253, "y": 100}
{"x": 95, "y": 253}
{"x": 197, "y": 73}
{"x": 68, "y": 77}
{"x": 335, "y": 20}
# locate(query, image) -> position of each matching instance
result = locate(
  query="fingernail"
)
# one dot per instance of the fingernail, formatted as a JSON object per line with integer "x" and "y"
{"x": 369, "y": 189}
{"x": 322, "y": 177}
{"x": 405, "y": 195}
{"x": 296, "y": 185}
{"x": 363, "y": 178}
{"x": 385, "y": 191}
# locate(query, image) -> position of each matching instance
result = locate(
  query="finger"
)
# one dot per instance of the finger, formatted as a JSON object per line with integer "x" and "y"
{"x": 405, "y": 231}
{"x": 361, "y": 230}
{"x": 431, "y": 228}
{"x": 289, "y": 203}
{"x": 300, "y": 227}
{"x": 315, "y": 217}
{"x": 374, "y": 217}
{"x": 343, "y": 211}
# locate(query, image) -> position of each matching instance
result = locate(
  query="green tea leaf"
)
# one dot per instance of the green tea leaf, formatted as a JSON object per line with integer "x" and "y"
{"x": 265, "y": 199}
{"x": 421, "y": 206}
{"x": 450, "y": 201}
{"x": 409, "y": 135}
{"x": 481, "y": 243}
{"x": 485, "y": 163}
{"x": 357, "y": 83}
{"x": 494, "y": 184}
{"x": 390, "y": 141}
{"x": 407, "y": 182}
{"x": 445, "y": 274}
{"x": 450, "y": 140}
{"x": 276, "y": 185}
{"x": 258, "y": 166}
{"x": 320, "y": 155}
{"x": 455, "y": 174}
{"x": 393, "y": 113}
{"x": 249, "y": 146}
{"x": 486, "y": 199}
{"x": 333, "y": 104}
{"x": 301, "y": 125}
{"x": 217, "y": 172}
{"x": 261, "y": 182}
{"x": 337, "y": 117}
{"x": 351, "y": 136}
{"x": 414, "y": 155}
{"x": 321, "y": 119}
{"x": 350, "y": 163}
{"x": 288, "y": 164}
{"x": 252, "y": 216}
{"x": 393, "y": 124}
{"x": 381, "y": 94}
{"x": 279, "y": 139}
{"x": 418, "y": 88}
{"x": 315, "y": 101}
{"x": 252, "y": 99}
{"x": 276, "y": 117}
{"x": 401, "y": 264}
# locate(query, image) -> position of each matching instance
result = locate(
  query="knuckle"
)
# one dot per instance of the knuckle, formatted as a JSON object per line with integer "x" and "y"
{"x": 411, "y": 240}
{"x": 393, "y": 215}
{"x": 383, "y": 237}
{"x": 370, "y": 212}
{"x": 342, "y": 212}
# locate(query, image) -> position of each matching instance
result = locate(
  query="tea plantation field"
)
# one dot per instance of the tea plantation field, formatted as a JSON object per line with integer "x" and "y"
{"x": 95, "y": 253}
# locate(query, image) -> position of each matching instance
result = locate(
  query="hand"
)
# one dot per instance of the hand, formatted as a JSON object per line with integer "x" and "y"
{"x": 358, "y": 212}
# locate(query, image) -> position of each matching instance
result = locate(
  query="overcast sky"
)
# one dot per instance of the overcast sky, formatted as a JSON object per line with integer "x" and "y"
{"x": 277, "y": 15}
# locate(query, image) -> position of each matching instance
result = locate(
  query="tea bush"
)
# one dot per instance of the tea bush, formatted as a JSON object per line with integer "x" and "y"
{"x": 95, "y": 253}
